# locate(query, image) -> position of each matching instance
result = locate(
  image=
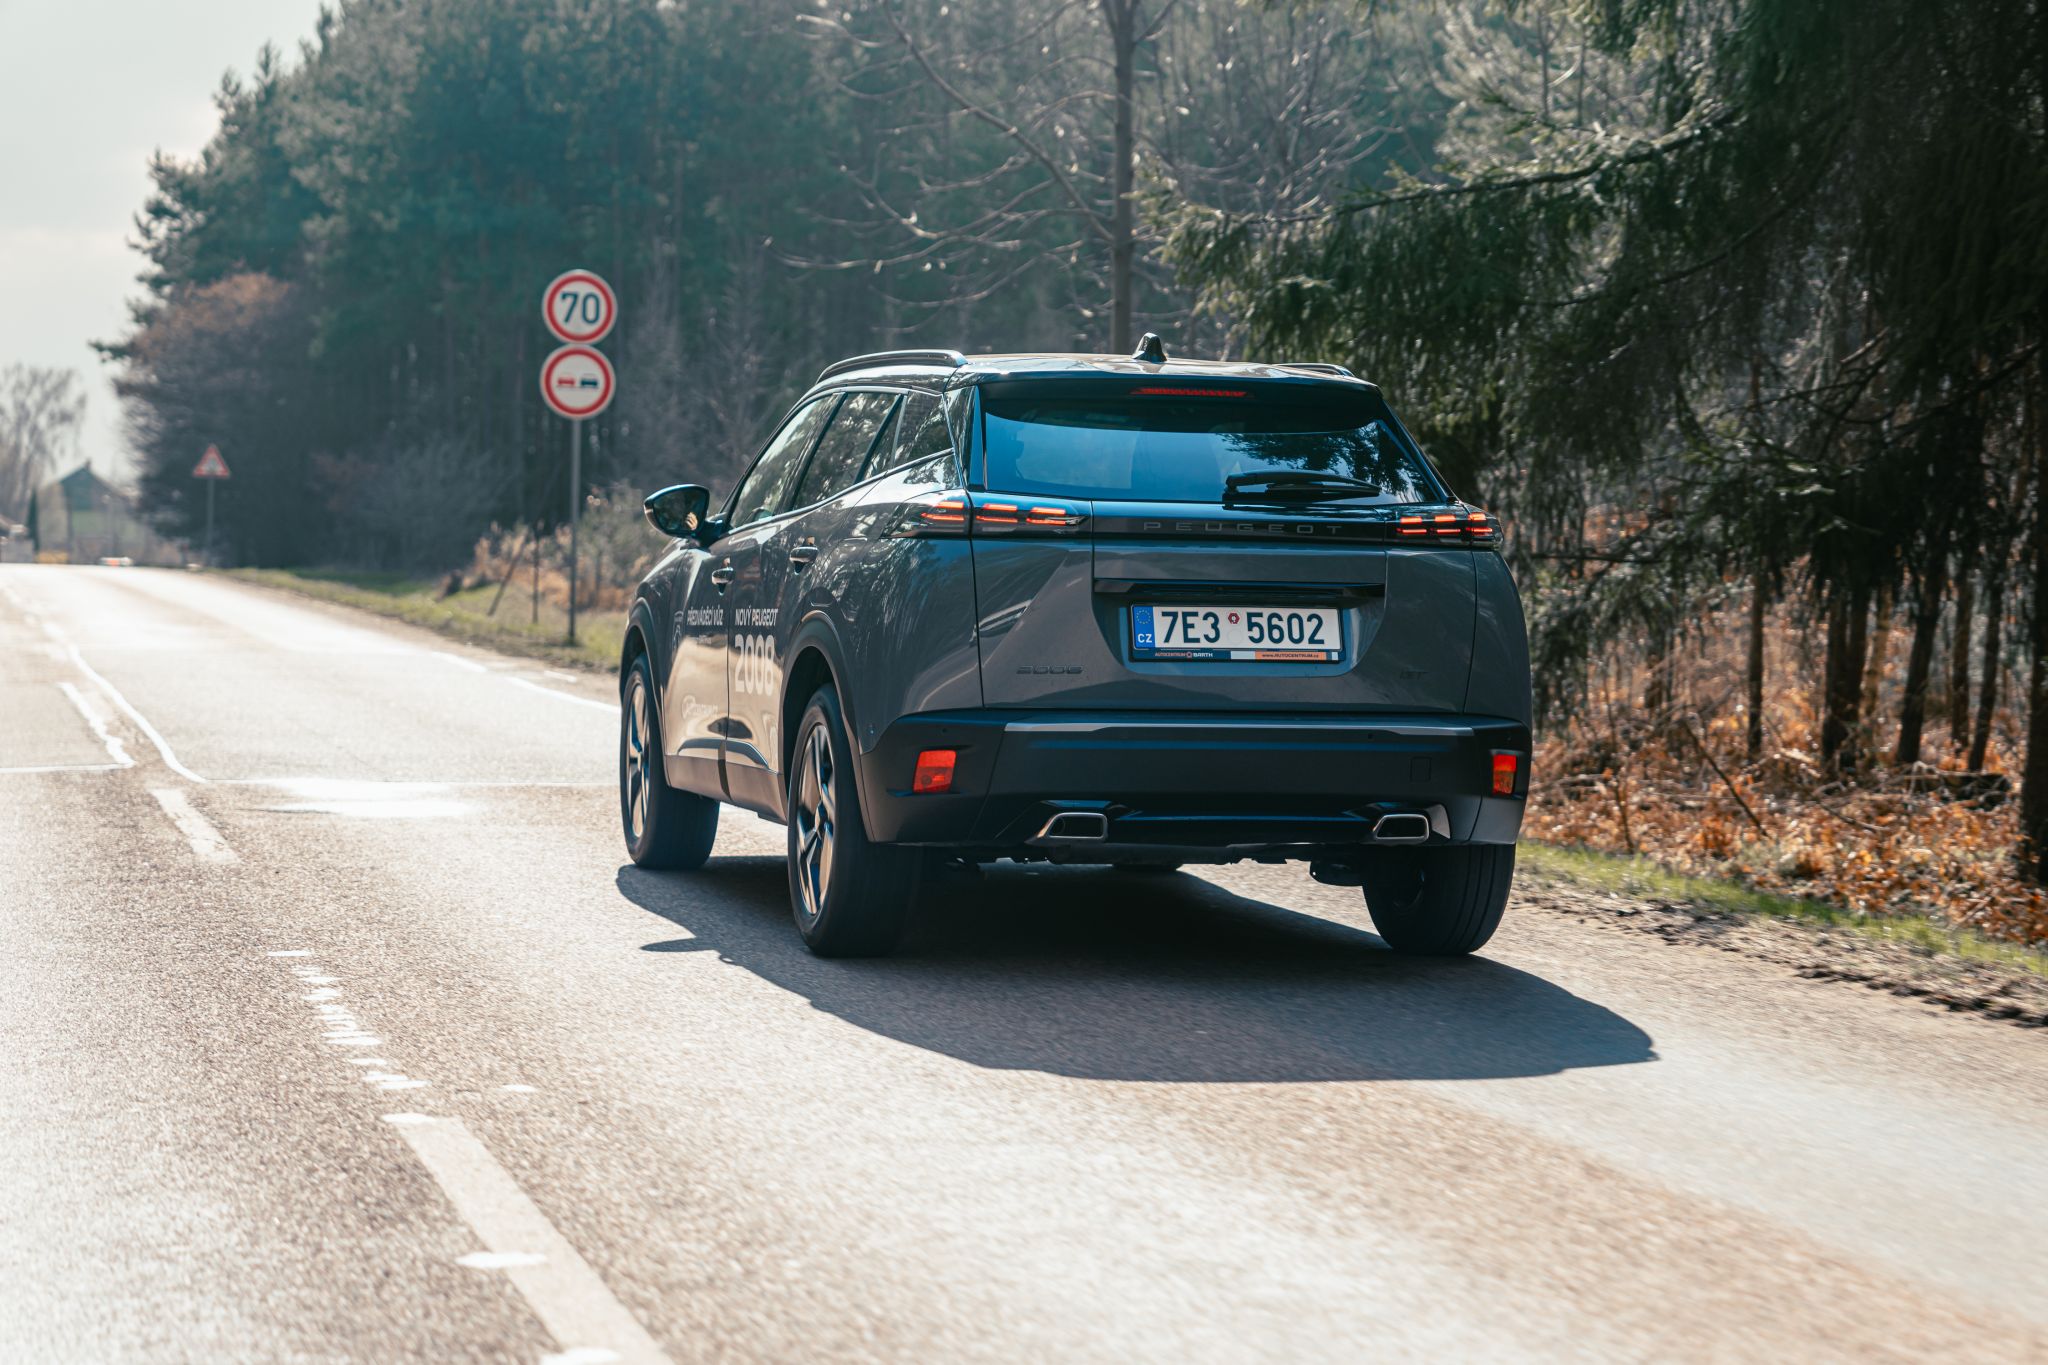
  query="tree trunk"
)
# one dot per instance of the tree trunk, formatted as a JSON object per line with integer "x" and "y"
{"x": 2033, "y": 851}
{"x": 1959, "y": 651}
{"x": 1987, "y": 698}
{"x": 1876, "y": 660}
{"x": 1757, "y": 604}
{"x": 1920, "y": 659}
{"x": 1842, "y": 675}
{"x": 1123, "y": 31}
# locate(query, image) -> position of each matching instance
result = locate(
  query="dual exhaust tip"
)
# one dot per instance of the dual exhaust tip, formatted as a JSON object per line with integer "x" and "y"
{"x": 1092, "y": 826}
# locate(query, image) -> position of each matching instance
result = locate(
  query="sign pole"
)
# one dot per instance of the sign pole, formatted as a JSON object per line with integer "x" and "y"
{"x": 209, "y": 521}
{"x": 576, "y": 380}
{"x": 575, "y": 512}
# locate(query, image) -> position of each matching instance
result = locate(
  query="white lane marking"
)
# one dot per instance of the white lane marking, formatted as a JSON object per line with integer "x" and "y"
{"x": 142, "y": 722}
{"x": 73, "y": 768}
{"x": 560, "y": 676}
{"x": 197, "y": 829}
{"x": 459, "y": 661}
{"x": 456, "y": 784}
{"x": 97, "y": 720}
{"x": 605, "y": 706}
{"x": 569, "y": 1298}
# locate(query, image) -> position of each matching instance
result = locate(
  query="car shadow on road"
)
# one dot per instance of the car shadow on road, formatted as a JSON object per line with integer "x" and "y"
{"x": 1111, "y": 976}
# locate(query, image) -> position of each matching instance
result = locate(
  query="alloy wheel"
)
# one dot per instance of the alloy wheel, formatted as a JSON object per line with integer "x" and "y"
{"x": 639, "y": 773}
{"x": 816, "y": 821}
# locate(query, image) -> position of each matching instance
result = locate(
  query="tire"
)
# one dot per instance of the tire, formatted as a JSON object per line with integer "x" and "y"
{"x": 851, "y": 897}
{"x": 664, "y": 828}
{"x": 1438, "y": 902}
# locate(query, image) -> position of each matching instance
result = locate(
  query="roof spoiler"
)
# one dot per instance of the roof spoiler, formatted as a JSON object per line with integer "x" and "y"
{"x": 952, "y": 360}
{"x": 1320, "y": 367}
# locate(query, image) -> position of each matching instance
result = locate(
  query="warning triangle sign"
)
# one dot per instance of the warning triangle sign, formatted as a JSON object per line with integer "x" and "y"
{"x": 211, "y": 465}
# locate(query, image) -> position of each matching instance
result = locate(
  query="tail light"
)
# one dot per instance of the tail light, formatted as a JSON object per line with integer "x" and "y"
{"x": 933, "y": 514}
{"x": 1025, "y": 516}
{"x": 1507, "y": 769}
{"x": 1463, "y": 526}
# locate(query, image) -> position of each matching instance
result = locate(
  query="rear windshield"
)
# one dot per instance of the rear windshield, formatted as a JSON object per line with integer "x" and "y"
{"x": 1194, "y": 441}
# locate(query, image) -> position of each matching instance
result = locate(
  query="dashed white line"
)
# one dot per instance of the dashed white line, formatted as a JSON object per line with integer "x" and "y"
{"x": 459, "y": 661}
{"x": 197, "y": 829}
{"x": 98, "y": 722}
{"x": 571, "y": 1300}
{"x": 163, "y": 748}
{"x": 605, "y": 706}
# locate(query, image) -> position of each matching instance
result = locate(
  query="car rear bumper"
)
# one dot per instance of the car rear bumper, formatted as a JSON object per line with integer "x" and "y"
{"x": 1192, "y": 785}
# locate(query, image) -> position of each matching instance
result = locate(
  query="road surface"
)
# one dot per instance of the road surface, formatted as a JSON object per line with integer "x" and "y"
{"x": 334, "y": 1025}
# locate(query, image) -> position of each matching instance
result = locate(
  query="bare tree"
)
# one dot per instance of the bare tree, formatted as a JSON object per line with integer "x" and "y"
{"x": 41, "y": 410}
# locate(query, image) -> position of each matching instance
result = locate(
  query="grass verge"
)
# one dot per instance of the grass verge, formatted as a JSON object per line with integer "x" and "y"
{"x": 1644, "y": 879}
{"x": 462, "y": 616}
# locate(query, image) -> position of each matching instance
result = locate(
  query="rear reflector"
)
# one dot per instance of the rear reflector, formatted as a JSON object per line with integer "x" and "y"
{"x": 1506, "y": 767}
{"x": 935, "y": 771}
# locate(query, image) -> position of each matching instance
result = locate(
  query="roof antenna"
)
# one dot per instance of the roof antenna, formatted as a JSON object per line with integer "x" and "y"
{"x": 1151, "y": 350}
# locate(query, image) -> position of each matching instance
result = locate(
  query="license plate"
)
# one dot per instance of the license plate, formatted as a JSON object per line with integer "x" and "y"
{"x": 1261, "y": 634}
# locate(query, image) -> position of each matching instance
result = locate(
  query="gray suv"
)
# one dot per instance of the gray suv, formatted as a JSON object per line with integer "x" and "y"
{"x": 1133, "y": 611}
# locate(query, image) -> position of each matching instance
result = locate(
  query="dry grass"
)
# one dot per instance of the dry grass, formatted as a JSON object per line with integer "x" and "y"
{"x": 1888, "y": 843}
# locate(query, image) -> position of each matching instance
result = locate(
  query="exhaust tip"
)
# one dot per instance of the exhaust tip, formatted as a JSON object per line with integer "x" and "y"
{"x": 1076, "y": 826}
{"x": 1405, "y": 827}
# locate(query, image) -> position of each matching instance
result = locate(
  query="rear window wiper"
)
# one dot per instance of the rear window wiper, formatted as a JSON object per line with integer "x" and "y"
{"x": 1290, "y": 484}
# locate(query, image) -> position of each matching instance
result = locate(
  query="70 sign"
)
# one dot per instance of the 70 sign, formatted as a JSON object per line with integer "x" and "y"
{"x": 579, "y": 307}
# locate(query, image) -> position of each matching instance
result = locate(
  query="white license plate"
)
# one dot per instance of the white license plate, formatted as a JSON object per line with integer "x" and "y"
{"x": 1263, "y": 634}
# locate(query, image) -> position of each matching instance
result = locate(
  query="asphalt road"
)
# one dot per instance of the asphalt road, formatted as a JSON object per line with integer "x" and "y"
{"x": 334, "y": 1025}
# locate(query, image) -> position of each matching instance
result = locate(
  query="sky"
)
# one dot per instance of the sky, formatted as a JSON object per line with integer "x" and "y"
{"x": 88, "y": 89}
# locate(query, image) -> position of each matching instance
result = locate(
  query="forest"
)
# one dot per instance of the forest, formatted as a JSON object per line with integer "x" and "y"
{"x": 1732, "y": 309}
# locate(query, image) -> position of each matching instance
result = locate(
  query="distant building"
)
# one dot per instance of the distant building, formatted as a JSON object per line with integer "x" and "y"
{"x": 81, "y": 519}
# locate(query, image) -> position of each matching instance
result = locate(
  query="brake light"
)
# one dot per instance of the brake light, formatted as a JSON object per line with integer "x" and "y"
{"x": 1156, "y": 392}
{"x": 934, "y": 771}
{"x": 945, "y": 512}
{"x": 1052, "y": 516}
{"x": 1506, "y": 768}
{"x": 1469, "y": 526}
{"x": 999, "y": 515}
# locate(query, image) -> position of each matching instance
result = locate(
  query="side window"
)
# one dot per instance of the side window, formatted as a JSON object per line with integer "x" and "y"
{"x": 921, "y": 432}
{"x": 844, "y": 447}
{"x": 761, "y": 493}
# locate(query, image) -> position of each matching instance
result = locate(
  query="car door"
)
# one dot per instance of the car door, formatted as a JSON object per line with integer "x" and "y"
{"x": 696, "y": 708}
{"x": 765, "y": 612}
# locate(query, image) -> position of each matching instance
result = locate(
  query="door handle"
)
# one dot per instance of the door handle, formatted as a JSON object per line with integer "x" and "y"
{"x": 723, "y": 575}
{"x": 801, "y": 555}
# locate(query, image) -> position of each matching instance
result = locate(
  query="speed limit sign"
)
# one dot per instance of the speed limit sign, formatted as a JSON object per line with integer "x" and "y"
{"x": 579, "y": 307}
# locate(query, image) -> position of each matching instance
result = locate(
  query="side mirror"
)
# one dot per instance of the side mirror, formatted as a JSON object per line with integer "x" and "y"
{"x": 682, "y": 510}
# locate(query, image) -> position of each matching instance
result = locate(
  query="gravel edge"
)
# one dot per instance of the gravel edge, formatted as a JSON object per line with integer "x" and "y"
{"x": 1812, "y": 950}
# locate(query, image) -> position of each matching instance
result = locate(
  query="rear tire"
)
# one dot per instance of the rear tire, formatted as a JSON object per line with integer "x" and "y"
{"x": 665, "y": 828}
{"x": 1438, "y": 902}
{"x": 851, "y": 897}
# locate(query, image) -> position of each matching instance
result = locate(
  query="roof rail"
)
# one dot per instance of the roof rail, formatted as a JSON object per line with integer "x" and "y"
{"x": 950, "y": 359}
{"x": 1318, "y": 366}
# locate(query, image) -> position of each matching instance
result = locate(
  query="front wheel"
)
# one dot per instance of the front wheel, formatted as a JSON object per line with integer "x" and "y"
{"x": 1438, "y": 902}
{"x": 851, "y": 897}
{"x": 665, "y": 828}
